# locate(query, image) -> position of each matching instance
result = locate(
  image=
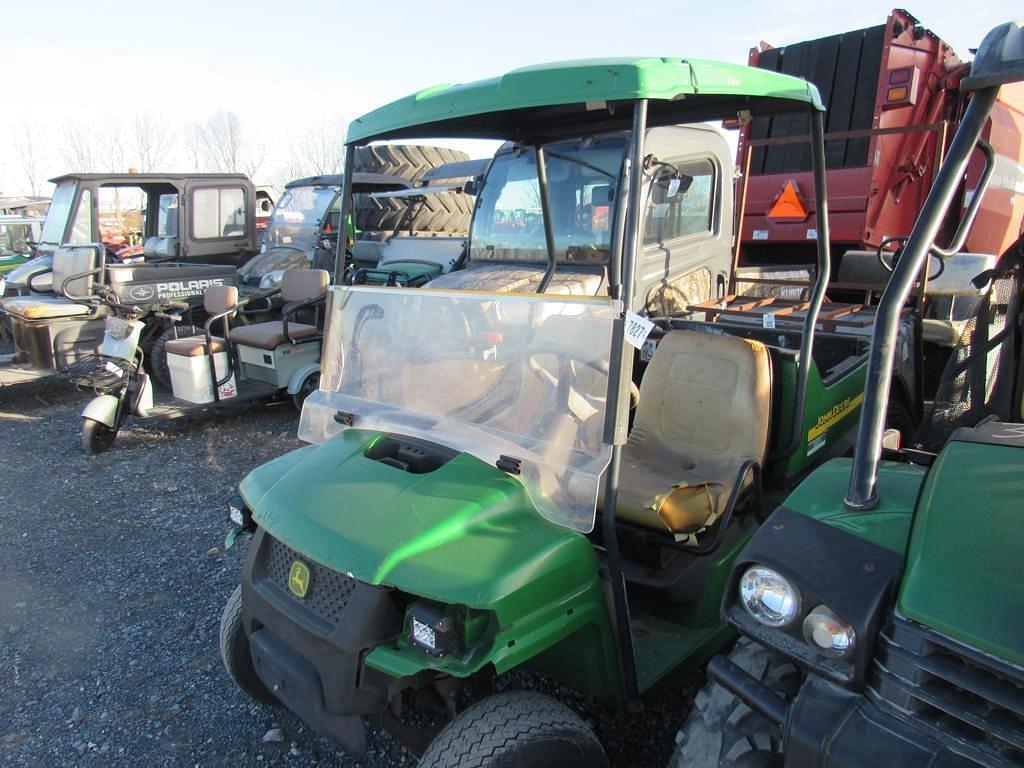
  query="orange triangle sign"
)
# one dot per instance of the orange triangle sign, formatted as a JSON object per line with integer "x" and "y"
{"x": 789, "y": 205}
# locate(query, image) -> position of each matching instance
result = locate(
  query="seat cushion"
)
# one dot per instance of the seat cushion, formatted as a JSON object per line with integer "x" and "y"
{"x": 39, "y": 307}
{"x": 193, "y": 346}
{"x": 270, "y": 335}
{"x": 704, "y": 407}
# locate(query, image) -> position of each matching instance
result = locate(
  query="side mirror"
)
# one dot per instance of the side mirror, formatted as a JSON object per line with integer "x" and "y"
{"x": 667, "y": 184}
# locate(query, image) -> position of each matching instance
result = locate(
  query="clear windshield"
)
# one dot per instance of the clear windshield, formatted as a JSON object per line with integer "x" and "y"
{"x": 520, "y": 375}
{"x": 296, "y": 218}
{"x": 58, "y": 213}
{"x": 582, "y": 179}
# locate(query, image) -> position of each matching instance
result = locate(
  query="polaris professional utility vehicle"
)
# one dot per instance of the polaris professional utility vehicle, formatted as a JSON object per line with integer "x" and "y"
{"x": 881, "y": 605}
{"x": 477, "y": 496}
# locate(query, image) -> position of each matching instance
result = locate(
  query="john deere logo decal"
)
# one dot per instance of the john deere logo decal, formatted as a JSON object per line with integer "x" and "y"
{"x": 298, "y": 579}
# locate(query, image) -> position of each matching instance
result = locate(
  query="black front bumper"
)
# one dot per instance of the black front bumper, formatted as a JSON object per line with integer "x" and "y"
{"x": 309, "y": 652}
{"x": 918, "y": 710}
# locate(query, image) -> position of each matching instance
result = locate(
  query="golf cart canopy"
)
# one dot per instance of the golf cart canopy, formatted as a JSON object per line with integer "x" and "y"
{"x": 361, "y": 182}
{"x": 585, "y": 96}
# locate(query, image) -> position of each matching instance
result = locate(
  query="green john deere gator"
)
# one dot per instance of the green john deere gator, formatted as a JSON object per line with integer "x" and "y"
{"x": 442, "y": 526}
{"x": 881, "y": 605}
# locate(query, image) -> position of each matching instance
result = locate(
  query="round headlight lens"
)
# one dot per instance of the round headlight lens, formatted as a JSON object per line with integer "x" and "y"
{"x": 827, "y": 633}
{"x": 769, "y": 597}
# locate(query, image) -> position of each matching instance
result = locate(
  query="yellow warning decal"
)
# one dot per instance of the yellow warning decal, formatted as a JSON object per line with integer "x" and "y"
{"x": 832, "y": 416}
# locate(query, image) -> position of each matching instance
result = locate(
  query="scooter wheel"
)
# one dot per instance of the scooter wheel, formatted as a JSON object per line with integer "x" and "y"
{"x": 308, "y": 387}
{"x": 97, "y": 437}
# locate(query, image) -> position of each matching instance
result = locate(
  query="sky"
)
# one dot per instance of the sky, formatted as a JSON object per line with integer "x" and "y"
{"x": 290, "y": 70}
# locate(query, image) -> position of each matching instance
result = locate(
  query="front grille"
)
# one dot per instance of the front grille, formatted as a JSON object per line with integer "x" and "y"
{"x": 329, "y": 591}
{"x": 970, "y": 702}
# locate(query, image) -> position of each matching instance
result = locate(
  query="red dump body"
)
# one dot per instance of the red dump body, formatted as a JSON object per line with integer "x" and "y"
{"x": 893, "y": 100}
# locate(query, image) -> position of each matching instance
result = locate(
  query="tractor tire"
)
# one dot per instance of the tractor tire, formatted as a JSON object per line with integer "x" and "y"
{"x": 234, "y": 651}
{"x": 723, "y": 732}
{"x": 518, "y": 729}
{"x": 158, "y": 354}
{"x": 410, "y": 161}
{"x": 899, "y": 417}
{"x": 448, "y": 212}
{"x": 97, "y": 437}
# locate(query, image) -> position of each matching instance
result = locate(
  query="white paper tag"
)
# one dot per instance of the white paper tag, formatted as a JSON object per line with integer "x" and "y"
{"x": 767, "y": 320}
{"x": 637, "y": 329}
{"x": 812, "y": 234}
{"x": 113, "y": 368}
{"x": 673, "y": 187}
{"x": 227, "y": 390}
{"x": 760, "y": 234}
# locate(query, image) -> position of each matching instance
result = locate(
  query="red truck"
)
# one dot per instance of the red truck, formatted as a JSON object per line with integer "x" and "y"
{"x": 893, "y": 99}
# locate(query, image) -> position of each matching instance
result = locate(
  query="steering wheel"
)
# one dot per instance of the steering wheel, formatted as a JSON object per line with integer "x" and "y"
{"x": 890, "y": 266}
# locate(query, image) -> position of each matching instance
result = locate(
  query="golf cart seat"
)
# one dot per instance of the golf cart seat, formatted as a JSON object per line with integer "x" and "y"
{"x": 216, "y": 300}
{"x": 67, "y": 261}
{"x": 298, "y": 286}
{"x": 705, "y": 401}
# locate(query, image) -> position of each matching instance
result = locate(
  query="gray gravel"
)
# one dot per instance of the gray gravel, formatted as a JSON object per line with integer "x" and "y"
{"x": 113, "y": 577}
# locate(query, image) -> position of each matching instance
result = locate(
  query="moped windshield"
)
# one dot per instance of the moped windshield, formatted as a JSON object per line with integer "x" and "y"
{"x": 523, "y": 376}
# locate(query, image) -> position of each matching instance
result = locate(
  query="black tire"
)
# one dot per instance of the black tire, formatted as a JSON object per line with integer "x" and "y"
{"x": 157, "y": 361}
{"x": 513, "y": 730}
{"x": 448, "y": 212}
{"x": 234, "y": 651}
{"x": 308, "y": 387}
{"x": 410, "y": 161}
{"x": 97, "y": 437}
{"x": 723, "y": 732}
{"x": 899, "y": 417}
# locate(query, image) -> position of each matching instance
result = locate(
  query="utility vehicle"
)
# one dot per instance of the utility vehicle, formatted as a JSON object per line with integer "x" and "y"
{"x": 881, "y": 605}
{"x": 193, "y": 230}
{"x": 442, "y": 527}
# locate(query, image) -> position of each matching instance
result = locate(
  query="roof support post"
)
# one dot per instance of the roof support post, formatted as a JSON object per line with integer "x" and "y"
{"x": 545, "y": 209}
{"x": 347, "y": 210}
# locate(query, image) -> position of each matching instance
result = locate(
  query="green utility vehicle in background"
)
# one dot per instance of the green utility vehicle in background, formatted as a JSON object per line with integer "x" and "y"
{"x": 442, "y": 528}
{"x": 881, "y": 606}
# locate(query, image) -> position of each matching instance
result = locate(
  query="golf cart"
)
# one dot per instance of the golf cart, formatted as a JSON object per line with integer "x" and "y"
{"x": 442, "y": 526}
{"x": 224, "y": 364}
{"x": 17, "y": 235}
{"x": 880, "y": 606}
{"x": 150, "y": 239}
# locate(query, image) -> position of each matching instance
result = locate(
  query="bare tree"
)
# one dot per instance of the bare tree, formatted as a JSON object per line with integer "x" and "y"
{"x": 220, "y": 145}
{"x": 153, "y": 142}
{"x": 111, "y": 147}
{"x": 193, "y": 147}
{"x": 30, "y": 160}
{"x": 320, "y": 148}
{"x": 79, "y": 147}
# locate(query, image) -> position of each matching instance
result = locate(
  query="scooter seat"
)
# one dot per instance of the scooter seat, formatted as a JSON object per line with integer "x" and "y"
{"x": 194, "y": 346}
{"x": 270, "y": 335}
{"x": 43, "y": 307}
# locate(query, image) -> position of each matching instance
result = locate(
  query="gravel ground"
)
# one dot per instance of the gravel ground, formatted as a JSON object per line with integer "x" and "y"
{"x": 113, "y": 578}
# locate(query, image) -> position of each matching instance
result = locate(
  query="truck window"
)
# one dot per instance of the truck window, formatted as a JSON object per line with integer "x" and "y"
{"x": 687, "y": 213}
{"x": 81, "y": 232}
{"x": 167, "y": 216}
{"x": 122, "y": 211}
{"x": 218, "y": 212}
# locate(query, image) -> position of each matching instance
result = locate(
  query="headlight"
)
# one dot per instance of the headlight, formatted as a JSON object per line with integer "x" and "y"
{"x": 431, "y": 629}
{"x": 272, "y": 279}
{"x": 827, "y": 633}
{"x": 238, "y": 514}
{"x": 768, "y": 597}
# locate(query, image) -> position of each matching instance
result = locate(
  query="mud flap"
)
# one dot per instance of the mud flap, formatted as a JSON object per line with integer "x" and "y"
{"x": 102, "y": 409}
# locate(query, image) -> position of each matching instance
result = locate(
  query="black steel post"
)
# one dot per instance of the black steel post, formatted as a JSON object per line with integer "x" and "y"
{"x": 619, "y": 378}
{"x": 347, "y": 210}
{"x": 863, "y": 493}
{"x": 549, "y": 225}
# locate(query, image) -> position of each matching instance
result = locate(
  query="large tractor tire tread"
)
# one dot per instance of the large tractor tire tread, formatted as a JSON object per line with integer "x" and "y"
{"x": 410, "y": 161}
{"x": 516, "y": 730}
{"x": 723, "y": 732}
{"x": 440, "y": 212}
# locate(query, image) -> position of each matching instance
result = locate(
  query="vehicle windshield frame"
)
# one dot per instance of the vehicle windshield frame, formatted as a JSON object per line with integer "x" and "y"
{"x": 62, "y": 209}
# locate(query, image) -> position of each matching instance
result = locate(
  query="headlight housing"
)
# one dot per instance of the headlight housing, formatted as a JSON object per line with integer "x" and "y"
{"x": 435, "y": 631}
{"x": 768, "y": 596}
{"x": 272, "y": 279}
{"x": 828, "y": 633}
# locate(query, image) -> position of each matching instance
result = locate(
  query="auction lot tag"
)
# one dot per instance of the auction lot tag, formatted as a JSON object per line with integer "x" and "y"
{"x": 637, "y": 329}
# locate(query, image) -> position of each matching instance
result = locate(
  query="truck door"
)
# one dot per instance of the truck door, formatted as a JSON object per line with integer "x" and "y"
{"x": 687, "y": 235}
{"x": 219, "y": 220}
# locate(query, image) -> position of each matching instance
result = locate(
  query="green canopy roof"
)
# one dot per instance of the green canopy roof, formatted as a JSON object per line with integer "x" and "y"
{"x": 548, "y": 100}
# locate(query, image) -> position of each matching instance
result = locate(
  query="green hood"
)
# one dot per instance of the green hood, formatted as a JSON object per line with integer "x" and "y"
{"x": 465, "y": 533}
{"x": 963, "y": 572}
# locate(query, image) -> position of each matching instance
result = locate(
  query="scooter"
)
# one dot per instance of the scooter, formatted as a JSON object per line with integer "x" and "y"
{"x": 245, "y": 362}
